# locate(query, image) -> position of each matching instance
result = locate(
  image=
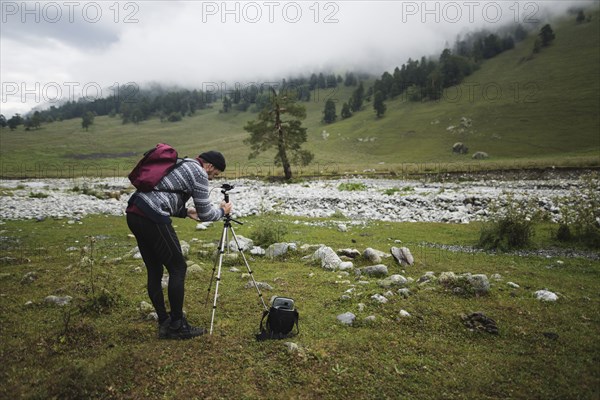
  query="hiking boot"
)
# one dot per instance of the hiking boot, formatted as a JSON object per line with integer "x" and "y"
{"x": 163, "y": 328}
{"x": 182, "y": 330}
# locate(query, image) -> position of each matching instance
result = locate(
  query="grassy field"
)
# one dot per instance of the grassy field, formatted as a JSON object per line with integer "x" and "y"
{"x": 102, "y": 345}
{"x": 525, "y": 113}
{"x": 543, "y": 350}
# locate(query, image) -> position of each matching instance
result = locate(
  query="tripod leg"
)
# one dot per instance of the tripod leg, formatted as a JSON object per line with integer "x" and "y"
{"x": 223, "y": 238}
{"x": 260, "y": 296}
{"x": 220, "y": 263}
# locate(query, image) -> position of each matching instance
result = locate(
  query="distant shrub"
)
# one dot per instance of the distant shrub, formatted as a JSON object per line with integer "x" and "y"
{"x": 351, "y": 187}
{"x": 267, "y": 232}
{"x": 38, "y": 195}
{"x": 392, "y": 191}
{"x": 175, "y": 117}
{"x": 511, "y": 225}
{"x": 99, "y": 293}
{"x": 338, "y": 214}
{"x": 581, "y": 214}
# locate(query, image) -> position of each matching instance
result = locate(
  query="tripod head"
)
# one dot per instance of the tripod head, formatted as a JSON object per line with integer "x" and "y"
{"x": 225, "y": 188}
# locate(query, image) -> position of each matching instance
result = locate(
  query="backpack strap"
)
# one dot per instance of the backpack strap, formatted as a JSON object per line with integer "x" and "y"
{"x": 262, "y": 332}
{"x": 297, "y": 318}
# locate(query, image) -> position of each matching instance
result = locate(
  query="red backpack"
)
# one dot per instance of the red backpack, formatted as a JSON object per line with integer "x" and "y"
{"x": 155, "y": 164}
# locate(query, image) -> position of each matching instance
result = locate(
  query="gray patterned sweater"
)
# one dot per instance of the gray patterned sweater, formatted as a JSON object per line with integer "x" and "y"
{"x": 187, "y": 177}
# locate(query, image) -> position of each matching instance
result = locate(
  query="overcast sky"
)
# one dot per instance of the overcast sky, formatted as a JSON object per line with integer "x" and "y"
{"x": 68, "y": 49}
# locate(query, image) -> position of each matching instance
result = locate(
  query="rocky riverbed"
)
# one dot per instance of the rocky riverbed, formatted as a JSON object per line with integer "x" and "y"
{"x": 370, "y": 199}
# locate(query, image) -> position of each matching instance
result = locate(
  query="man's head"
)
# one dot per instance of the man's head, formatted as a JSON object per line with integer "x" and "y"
{"x": 213, "y": 163}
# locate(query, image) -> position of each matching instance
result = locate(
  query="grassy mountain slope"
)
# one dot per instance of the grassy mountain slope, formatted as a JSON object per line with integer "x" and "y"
{"x": 541, "y": 110}
{"x": 546, "y": 107}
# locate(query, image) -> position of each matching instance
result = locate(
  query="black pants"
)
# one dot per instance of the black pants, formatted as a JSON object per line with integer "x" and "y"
{"x": 159, "y": 246}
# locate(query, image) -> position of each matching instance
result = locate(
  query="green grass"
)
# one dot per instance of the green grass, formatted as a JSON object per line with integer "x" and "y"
{"x": 48, "y": 351}
{"x": 351, "y": 187}
{"x": 525, "y": 114}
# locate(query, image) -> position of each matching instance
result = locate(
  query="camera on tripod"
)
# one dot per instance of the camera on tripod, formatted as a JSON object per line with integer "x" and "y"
{"x": 226, "y": 187}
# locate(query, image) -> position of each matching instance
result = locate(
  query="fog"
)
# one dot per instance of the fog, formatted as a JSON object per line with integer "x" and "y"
{"x": 65, "y": 50}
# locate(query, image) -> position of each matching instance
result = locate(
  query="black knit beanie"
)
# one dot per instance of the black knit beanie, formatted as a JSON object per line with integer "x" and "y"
{"x": 215, "y": 158}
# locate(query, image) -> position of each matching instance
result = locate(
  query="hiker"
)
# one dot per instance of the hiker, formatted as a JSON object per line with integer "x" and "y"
{"x": 148, "y": 218}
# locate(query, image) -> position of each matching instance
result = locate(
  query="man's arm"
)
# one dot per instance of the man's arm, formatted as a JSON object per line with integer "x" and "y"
{"x": 204, "y": 210}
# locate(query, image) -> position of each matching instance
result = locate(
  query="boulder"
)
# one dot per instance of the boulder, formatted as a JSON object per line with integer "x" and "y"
{"x": 277, "y": 249}
{"x": 329, "y": 259}
{"x": 346, "y": 318}
{"x": 447, "y": 279}
{"x": 373, "y": 255}
{"x": 146, "y": 307}
{"x": 478, "y": 321}
{"x": 185, "y": 248}
{"x": 194, "y": 268}
{"x": 58, "y": 300}
{"x": 29, "y": 277}
{"x": 257, "y": 251}
{"x": 402, "y": 255}
{"x": 260, "y": 285}
{"x": 245, "y": 244}
{"x": 546, "y": 295}
{"x": 351, "y": 253}
{"x": 379, "y": 298}
{"x": 460, "y": 148}
{"x": 477, "y": 284}
{"x": 393, "y": 281}
{"x": 373, "y": 270}
{"x": 480, "y": 155}
{"x": 345, "y": 265}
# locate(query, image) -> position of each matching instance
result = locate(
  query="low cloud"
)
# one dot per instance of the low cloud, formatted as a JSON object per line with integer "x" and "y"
{"x": 99, "y": 44}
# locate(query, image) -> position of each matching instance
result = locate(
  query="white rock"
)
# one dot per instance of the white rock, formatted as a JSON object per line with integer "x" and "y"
{"x": 245, "y": 243}
{"x": 277, "y": 249}
{"x": 546, "y": 295}
{"x": 402, "y": 255}
{"x": 58, "y": 300}
{"x": 185, "y": 248}
{"x": 379, "y": 298}
{"x": 345, "y": 265}
{"x": 373, "y": 255}
{"x": 329, "y": 259}
{"x": 346, "y": 318}
{"x": 194, "y": 269}
{"x": 292, "y": 347}
{"x": 404, "y": 313}
{"x": 146, "y": 307}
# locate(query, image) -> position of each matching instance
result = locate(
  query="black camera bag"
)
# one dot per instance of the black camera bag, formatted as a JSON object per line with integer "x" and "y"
{"x": 279, "y": 324}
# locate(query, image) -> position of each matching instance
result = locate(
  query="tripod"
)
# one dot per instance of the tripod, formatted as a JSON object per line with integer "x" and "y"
{"x": 225, "y": 188}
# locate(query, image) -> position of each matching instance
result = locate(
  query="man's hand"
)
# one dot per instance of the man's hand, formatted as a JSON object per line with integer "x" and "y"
{"x": 192, "y": 213}
{"x": 227, "y": 207}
